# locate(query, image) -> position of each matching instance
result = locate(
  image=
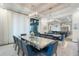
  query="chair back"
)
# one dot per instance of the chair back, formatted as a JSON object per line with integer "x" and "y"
{"x": 24, "y": 44}
{"x": 28, "y": 49}
{"x": 55, "y": 47}
{"x": 15, "y": 39}
{"x": 19, "y": 43}
{"x": 23, "y": 34}
{"x": 50, "y": 49}
{"x": 62, "y": 37}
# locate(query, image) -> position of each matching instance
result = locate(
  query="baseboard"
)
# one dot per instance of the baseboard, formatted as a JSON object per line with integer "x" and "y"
{"x": 6, "y": 44}
{"x": 74, "y": 41}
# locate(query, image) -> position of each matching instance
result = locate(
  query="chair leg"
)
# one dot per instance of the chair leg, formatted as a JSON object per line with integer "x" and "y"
{"x": 22, "y": 53}
{"x": 15, "y": 47}
{"x": 18, "y": 51}
{"x": 56, "y": 53}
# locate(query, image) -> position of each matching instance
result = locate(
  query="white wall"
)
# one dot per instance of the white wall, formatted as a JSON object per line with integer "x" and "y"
{"x": 75, "y": 23}
{"x": 43, "y": 25}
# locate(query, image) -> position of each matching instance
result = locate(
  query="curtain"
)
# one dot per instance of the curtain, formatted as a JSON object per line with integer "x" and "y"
{"x": 3, "y": 27}
{"x": 12, "y": 23}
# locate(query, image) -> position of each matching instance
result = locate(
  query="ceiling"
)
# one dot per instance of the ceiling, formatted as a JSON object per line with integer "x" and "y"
{"x": 49, "y": 10}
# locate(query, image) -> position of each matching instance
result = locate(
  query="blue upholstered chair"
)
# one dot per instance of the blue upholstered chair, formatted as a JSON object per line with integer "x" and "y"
{"x": 62, "y": 37}
{"x": 15, "y": 41}
{"x": 18, "y": 44}
{"x": 28, "y": 49}
{"x": 50, "y": 50}
{"x": 20, "y": 48}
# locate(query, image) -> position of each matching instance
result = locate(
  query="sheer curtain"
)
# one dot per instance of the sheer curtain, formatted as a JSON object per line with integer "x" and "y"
{"x": 20, "y": 24}
{"x": 12, "y": 23}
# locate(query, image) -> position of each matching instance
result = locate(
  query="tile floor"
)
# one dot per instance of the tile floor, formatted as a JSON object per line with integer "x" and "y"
{"x": 69, "y": 49}
{"x": 7, "y": 50}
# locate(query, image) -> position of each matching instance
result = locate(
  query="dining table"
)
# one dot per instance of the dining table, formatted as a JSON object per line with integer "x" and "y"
{"x": 38, "y": 42}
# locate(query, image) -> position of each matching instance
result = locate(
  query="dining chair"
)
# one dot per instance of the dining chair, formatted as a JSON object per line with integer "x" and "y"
{"x": 29, "y": 49}
{"x": 20, "y": 45}
{"x": 20, "y": 48}
{"x": 63, "y": 39}
{"x": 15, "y": 42}
{"x": 50, "y": 50}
